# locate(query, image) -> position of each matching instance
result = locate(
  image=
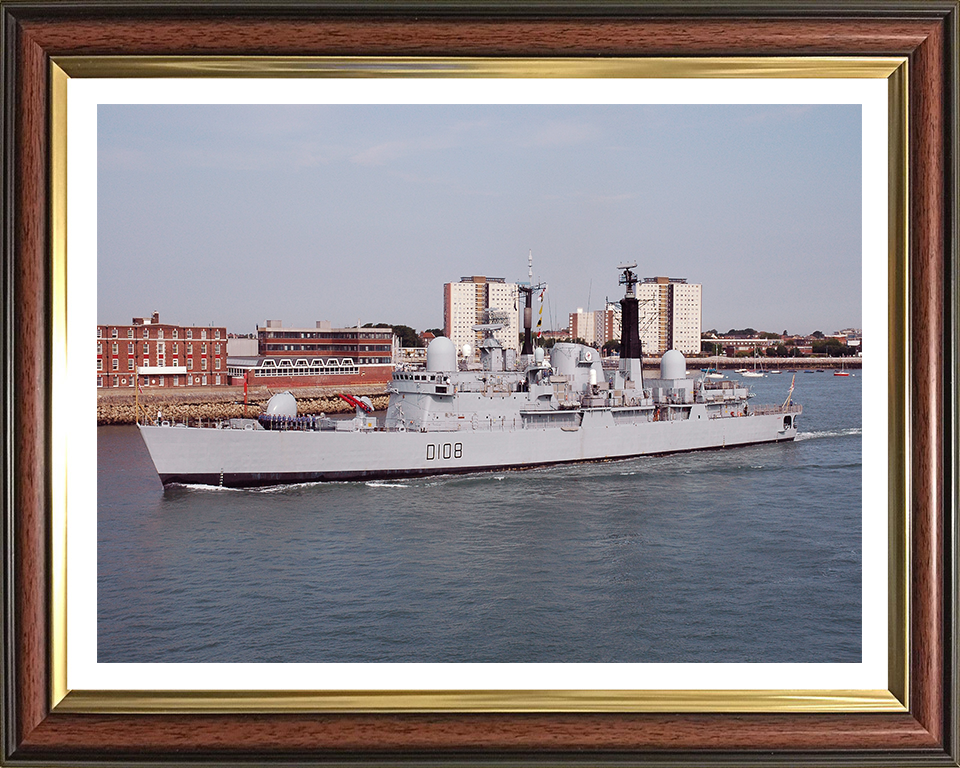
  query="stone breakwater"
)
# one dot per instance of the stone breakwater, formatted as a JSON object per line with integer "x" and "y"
{"x": 220, "y": 403}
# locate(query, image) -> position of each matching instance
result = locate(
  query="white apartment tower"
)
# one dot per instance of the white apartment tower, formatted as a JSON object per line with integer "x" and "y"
{"x": 670, "y": 310}
{"x": 476, "y": 300}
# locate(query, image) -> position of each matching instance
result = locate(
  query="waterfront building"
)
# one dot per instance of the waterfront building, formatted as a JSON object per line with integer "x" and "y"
{"x": 148, "y": 343}
{"x": 670, "y": 312}
{"x": 597, "y": 327}
{"x": 316, "y": 357}
{"x": 477, "y": 300}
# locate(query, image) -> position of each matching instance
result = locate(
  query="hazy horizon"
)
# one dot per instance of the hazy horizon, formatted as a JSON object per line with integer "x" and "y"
{"x": 233, "y": 215}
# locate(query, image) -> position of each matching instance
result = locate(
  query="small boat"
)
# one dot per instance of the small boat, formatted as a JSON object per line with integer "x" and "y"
{"x": 841, "y": 372}
{"x": 754, "y": 374}
{"x": 774, "y": 372}
{"x": 712, "y": 373}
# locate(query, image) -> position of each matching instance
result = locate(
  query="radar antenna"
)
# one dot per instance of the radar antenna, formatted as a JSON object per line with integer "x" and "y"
{"x": 629, "y": 278}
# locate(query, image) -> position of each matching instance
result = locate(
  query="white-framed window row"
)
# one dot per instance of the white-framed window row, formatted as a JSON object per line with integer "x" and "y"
{"x": 331, "y": 367}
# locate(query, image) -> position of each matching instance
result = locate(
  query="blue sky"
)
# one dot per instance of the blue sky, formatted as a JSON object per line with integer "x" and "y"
{"x": 235, "y": 214}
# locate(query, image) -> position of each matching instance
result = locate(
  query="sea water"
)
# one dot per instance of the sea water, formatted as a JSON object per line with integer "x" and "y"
{"x": 738, "y": 555}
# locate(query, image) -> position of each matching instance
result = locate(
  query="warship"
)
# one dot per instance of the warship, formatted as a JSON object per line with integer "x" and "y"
{"x": 514, "y": 412}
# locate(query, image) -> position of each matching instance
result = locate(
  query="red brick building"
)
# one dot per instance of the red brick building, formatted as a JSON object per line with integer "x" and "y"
{"x": 320, "y": 356}
{"x": 148, "y": 343}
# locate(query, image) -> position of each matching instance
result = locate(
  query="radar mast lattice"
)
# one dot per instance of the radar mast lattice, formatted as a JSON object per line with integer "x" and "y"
{"x": 529, "y": 289}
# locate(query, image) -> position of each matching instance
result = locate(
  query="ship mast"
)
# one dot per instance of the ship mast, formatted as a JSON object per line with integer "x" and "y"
{"x": 631, "y": 351}
{"x": 529, "y": 289}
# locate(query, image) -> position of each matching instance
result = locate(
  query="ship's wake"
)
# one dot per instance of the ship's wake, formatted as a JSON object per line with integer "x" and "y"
{"x": 826, "y": 434}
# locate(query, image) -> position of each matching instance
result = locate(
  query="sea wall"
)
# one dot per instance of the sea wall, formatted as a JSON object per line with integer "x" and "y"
{"x": 218, "y": 403}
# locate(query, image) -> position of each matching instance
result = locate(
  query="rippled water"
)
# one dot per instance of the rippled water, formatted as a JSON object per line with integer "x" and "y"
{"x": 742, "y": 555}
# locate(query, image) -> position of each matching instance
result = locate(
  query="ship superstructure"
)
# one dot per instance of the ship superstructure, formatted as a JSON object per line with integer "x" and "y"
{"x": 446, "y": 419}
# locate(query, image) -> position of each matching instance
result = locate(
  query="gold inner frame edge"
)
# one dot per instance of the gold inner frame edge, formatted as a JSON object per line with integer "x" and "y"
{"x": 894, "y": 69}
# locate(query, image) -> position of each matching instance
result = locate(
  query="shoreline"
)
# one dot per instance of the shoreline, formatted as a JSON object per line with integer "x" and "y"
{"x": 115, "y": 406}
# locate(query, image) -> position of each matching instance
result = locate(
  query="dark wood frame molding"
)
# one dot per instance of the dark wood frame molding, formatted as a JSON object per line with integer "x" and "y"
{"x": 925, "y": 32}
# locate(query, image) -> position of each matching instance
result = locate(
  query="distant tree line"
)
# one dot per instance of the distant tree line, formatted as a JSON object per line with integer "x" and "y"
{"x": 407, "y": 335}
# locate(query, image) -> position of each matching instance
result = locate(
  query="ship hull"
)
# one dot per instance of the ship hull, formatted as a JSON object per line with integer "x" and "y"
{"x": 249, "y": 458}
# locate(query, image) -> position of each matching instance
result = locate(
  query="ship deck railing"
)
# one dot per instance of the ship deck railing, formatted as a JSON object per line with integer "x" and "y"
{"x": 765, "y": 410}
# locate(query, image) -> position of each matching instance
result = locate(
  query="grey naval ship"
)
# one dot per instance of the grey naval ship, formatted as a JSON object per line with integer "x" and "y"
{"x": 510, "y": 414}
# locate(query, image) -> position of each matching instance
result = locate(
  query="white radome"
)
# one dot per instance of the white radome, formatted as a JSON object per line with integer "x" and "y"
{"x": 282, "y": 404}
{"x": 673, "y": 365}
{"x": 441, "y": 355}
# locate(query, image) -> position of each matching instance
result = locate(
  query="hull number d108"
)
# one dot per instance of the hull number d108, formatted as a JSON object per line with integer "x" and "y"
{"x": 444, "y": 451}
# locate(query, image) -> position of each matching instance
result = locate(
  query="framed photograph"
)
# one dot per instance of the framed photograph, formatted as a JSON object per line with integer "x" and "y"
{"x": 67, "y": 701}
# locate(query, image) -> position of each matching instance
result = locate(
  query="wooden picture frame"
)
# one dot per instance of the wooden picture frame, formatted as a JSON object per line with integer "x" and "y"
{"x": 35, "y": 34}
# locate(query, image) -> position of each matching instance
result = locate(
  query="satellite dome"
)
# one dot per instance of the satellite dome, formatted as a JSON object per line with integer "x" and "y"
{"x": 673, "y": 365}
{"x": 283, "y": 404}
{"x": 441, "y": 355}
